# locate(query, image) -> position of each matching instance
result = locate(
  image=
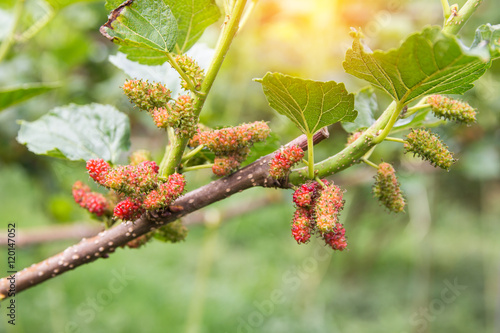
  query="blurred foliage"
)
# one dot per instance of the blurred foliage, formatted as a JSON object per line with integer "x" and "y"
{"x": 397, "y": 265}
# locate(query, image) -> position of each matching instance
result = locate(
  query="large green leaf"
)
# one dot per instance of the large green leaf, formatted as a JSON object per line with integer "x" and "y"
{"x": 12, "y": 95}
{"x": 193, "y": 17}
{"x": 427, "y": 62}
{"x": 365, "y": 102}
{"x": 148, "y": 25}
{"x": 311, "y": 105}
{"x": 78, "y": 132}
{"x": 488, "y": 36}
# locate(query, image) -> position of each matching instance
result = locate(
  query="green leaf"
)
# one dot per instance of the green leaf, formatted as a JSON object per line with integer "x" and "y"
{"x": 488, "y": 37}
{"x": 147, "y": 25}
{"x": 311, "y": 105}
{"x": 193, "y": 17}
{"x": 12, "y": 95}
{"x": 365, "y": 102}
{"x": 78, "y": 132}
{"x": 427, "y": 62}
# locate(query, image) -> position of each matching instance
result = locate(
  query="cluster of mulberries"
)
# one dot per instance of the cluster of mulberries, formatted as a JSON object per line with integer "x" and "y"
{"x": 283, "y": 160}
{"x": 318, "y": 209}
{"x": 231, "y": 145}
{"x": 156, "y": 99}
{"x": 137, "y": 186}
{"x": 428, "y": 146}
{"x": 94, "y": 202}
{"x": 386, "y": 188}
{"x": 178, "y": 114}
{"x": 145, "y": 95}
{"x": 193, "y": 71}
{"x": 452, "y": 109}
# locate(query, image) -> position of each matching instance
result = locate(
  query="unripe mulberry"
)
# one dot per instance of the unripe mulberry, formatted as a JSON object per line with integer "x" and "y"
{"x": 171, "y": 232}
{"x": 283, "y": 161}
{"x": 301, "y": 225}
{"x": 303, "y": 196}
{"x": 133, "y": 180}
{"x": 128, "y": 210}
{"x": 94, "y": 202}
{"x": 336, "y": 238}
{"x": 145, "y": 95}
{"x": 231, "y": 139}
{"x": 179, "y": 115}
{"x": 327, "y": 208}
{"x": 452, "y": 109}
{"x": 98, "y": 169}
{"x": 387, "y": 190}
{"x": 193, "y": 71}
{"x": 428, "y": 146}
{"x": 166, "y": 193}
{"x": 224, "y": 165}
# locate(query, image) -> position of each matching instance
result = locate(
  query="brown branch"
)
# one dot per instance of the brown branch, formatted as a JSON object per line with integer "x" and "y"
{"x": 88, "y": 250}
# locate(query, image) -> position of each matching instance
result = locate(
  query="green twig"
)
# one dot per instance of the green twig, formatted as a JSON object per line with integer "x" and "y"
{"x": 349, "y": 155}
{"x": 454, "y": 24}
{"x": 173, "y": 158}
{"x": 394, "y": 139}
{"x": 388, "y": 127}
{"x": 369, "y": 163}
{"x": 192, "y": 153}
{"x": 9, "y": 40}
{"x": 197, "y": 167}
{"x": 245, "y": 16}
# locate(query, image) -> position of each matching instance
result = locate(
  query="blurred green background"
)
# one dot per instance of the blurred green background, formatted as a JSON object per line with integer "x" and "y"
{"x": 435, "y": 268}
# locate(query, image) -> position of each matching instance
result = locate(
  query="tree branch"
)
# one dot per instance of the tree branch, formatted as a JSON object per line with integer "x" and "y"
{"x": 106, "y": 242}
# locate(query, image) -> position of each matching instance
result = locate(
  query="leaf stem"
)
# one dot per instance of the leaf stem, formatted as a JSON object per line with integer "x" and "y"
{"x": 310, "y": 155}
{"x": 9, "y": 40}
{"x": 369, "y": 163}
{"x": 394, "y": 139}
{"x": 197, "y": 167}
{"x": 192, "y": 153}
{"x": 454, "y": 24}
